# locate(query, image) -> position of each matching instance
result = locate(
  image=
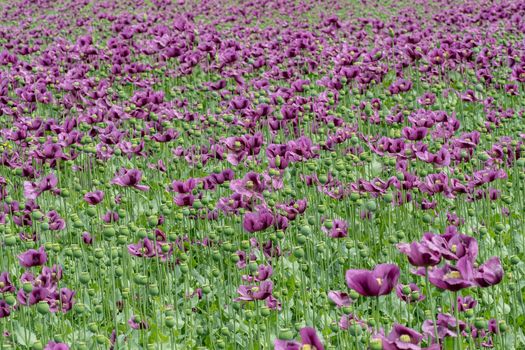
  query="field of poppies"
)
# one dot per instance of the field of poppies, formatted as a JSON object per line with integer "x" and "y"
{"x": 270, "y": 174}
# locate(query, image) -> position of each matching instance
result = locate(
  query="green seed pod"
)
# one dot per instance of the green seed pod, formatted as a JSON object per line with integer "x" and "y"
{"x": 101, "y": 340}
{"x": 27, "y": 287}
{"x": 169, "y": 322}
{"x": 10, "y": 241}
{"x": 99, "y": 309}
{"x": 10, "y": 300}
{"x": 184, "y": 268}
{"x": 286, "y": 334}
{"x": 298, "y": 253}
{"x": 153, "y": 290}
{"x": 42, "y": 307}
{"x": 84, "y": 277}
{"x": 514, "y": 260}
{"x": 37, "y": 345}
{"x": 480, "y": 323}
{"x": 371, "y": 206}
{"x": 140, "y": 280}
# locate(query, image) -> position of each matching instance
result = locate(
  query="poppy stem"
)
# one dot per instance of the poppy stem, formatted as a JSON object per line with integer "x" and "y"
{"x": 427, "y": 285}
{"x": 456, "y": 312}
{"x": 376, "y": 314}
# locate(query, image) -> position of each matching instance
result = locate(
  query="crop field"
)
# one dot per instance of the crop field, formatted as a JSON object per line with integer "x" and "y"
{"x": 262, "y": 175}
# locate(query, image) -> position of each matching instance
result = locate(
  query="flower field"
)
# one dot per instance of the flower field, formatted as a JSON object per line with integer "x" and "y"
{"x": 273, "y": 174}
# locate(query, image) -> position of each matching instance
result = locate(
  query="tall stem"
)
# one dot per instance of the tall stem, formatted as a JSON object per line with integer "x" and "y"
{"x": 456, "y": 313}
{"x": 431, "y": 299}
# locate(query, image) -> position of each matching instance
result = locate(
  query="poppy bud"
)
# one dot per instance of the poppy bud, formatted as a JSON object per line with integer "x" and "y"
{"x": 27, "y": 287}
{"x": 153, "y": 290}
{"x": 10, "y": 300}
{"x": 10, "y": 241}
{"x": 42, "y": 307}
{"x": 100, "y": 339}
{"x": 37, "y": 345}
{"x": 141, "y": 279}
{"x": 480, "y": 323}
{"x": 286, "y": 334}
{"x": 84, "y": 277}
{"x": 169, "y": 322}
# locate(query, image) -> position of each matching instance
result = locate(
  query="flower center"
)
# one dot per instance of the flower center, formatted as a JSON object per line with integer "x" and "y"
{"x": 454, "y": 248}
{"x": 453, "y": 274}
{"x": 405, "y": 338}
{"x": 308, "y": 347}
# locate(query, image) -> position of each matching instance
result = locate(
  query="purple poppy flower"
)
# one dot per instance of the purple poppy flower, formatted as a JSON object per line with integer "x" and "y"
{"x": 401, "y": 338}
{"x": 263, "y": 273}
{"x": 5, "y": 283}
{"x": 379, "y": 281}
{"x": 466, "y": 303}
{"x": 87, "y": 238}
{"x": 33, "y": 257}
{"x": 252, "y": 185}
{"x": 56, "y": 223}
{"x": 420, "y": 254}
{"x": 5, "y": 309}
{"x": 490, "y": 273}
{"x": 136, "y": 323}
{"x": 250, "y": 293}
{"x": 144, "y": 248}
{"x": 94, "y": 198}
{"x": 56, "y": 346}
{"x": 453, "y": 278}
{"x": 339, "y": 298}
{"x": 428, "y": 99}
{"x": 110, "y": 216}
{"x": 183, "y": 186}
{"x": 309, "y": 340}
{"x": 414, "y": 293}
{"x": 129, "y": 178}
{"x": 36, "y": 295}
{"x": 445, "y": 324}
{"x": 258, "y": 221}
{"x": 452, "y": 245}
{"x": 339, "y": 229}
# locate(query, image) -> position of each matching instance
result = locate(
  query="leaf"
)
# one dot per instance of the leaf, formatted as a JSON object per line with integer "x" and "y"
{"x": 24, "y": 336}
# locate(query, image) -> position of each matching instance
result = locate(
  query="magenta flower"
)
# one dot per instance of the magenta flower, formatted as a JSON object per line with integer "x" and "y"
{"x": 490, "y": 273}
{"x": 129, "y": 178}
{"x": 5, "y": 309}
{"x": 250, "y": 293}
{"x": 379, "y": 281}
{"x": 145, "y": 248}
{"x": 339, "y": 229}
{"x": 309, "y": 340}
{"x": 5, "y": 283}
{"x": 136, "y": 323}
{"x": 445, "y": 324}
{"x": 94, "y": 198}
{"x": 33, "y": 257}
{"x": 420, "y": 254}
{"x": 339, "y": 298}
{"x": 466, "y": 303}
{"x": 453, "y": 278}
{"x": 258, "y": 221}
{"x": 56, "y": 346}
{"x": 401, "y": 338}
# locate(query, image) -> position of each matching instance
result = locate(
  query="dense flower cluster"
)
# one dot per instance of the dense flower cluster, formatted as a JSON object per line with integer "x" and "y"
{"x": 247, "y": 174}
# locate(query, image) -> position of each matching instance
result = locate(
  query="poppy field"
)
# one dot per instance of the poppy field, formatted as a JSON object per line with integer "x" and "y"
{"x": 273, "y": 174}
